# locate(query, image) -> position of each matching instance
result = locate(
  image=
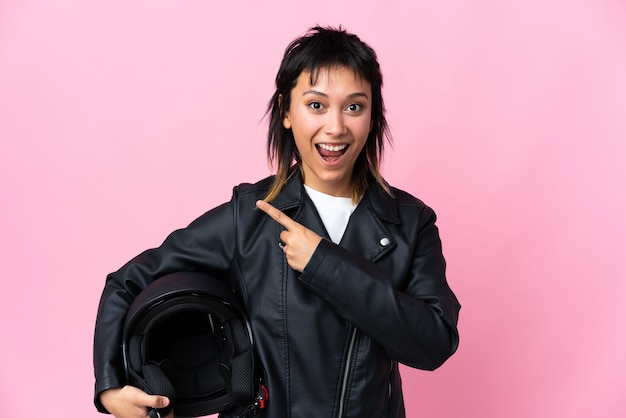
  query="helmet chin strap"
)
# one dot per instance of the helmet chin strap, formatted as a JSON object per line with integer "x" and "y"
{"x": 157, "y": 383}
{"x": 153, "y": 413}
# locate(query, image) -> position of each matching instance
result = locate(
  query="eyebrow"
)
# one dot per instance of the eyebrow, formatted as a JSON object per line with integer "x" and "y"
{"x": 350, "y": 96}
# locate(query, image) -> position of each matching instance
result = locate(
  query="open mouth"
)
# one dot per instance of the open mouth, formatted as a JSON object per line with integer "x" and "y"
{"x": 330, "y": 151}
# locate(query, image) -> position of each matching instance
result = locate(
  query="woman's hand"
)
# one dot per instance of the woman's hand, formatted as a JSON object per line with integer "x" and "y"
{"x": 299, "y": 241}
{"x": 132, "y": 402}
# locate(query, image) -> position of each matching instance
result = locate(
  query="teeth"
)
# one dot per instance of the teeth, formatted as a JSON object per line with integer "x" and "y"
{"x": 328, "y": 147}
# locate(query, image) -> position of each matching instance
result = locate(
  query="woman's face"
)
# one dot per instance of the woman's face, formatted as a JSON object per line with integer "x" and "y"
{"x": 330, "y": 121}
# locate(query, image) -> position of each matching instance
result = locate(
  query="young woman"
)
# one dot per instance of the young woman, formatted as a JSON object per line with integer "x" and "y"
{"x": 342, "y": 276}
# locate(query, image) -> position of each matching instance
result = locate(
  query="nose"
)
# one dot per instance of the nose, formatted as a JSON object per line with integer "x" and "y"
{"x": 335, "y": 124}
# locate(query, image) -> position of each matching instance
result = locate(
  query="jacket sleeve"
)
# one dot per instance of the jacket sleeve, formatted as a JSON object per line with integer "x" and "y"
{"x": 416, "y": 323}
{"x": 205, "y": 245}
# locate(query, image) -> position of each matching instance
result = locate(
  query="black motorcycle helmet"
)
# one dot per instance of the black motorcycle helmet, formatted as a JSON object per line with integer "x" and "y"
{"x": 186, "y": 337}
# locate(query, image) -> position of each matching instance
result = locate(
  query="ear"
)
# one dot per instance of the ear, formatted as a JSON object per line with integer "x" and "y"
{"x": 286, "y": 120}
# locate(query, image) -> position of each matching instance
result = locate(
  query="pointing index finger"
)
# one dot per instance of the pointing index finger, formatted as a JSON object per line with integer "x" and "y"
{"x": 276, "y": 214}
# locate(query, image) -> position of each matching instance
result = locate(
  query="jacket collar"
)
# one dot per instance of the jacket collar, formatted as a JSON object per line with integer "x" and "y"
{"x": 377, "y": 200}
{"x": 365, "y": 234}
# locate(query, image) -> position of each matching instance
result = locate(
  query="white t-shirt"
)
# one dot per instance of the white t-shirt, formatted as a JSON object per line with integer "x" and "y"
{"x": 334, "y": 211}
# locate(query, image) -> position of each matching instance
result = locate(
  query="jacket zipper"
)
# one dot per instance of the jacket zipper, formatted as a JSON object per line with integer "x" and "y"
{"x": 344, "y": 385}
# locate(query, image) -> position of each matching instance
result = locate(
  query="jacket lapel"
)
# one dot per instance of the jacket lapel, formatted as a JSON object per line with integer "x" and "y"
{"x": 295, "y": 203}
{"x": 367, "y": 233}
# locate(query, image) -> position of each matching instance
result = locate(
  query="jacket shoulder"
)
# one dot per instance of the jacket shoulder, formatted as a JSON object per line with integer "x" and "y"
{"x": 404, "y": 198}
{"x": 255, "y": 190}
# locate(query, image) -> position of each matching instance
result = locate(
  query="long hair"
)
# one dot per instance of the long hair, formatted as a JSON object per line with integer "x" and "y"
{"x": 324, "y": 48}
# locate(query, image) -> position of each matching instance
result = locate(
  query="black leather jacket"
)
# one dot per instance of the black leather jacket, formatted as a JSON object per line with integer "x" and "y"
{"x": 329, "y": 338}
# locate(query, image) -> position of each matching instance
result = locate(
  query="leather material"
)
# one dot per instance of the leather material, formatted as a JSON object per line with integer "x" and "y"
{"x": 329, "y": 338}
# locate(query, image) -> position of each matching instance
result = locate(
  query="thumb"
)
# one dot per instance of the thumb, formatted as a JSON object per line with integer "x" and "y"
{"x": 157, "y": 401}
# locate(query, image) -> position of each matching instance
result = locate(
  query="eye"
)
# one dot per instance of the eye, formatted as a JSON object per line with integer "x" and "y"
{"x": 354, "y": 107}
{"x": 315, "y": 105}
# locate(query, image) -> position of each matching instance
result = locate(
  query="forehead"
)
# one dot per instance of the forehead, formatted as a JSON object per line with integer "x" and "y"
{"x": 333, "y": 75}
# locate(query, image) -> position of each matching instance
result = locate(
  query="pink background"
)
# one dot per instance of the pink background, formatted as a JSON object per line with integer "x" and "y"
{"x": 121, "y": 121}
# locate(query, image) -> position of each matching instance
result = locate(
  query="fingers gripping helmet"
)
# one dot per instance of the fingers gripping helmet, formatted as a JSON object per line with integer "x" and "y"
{"x": 186, "y": 337}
